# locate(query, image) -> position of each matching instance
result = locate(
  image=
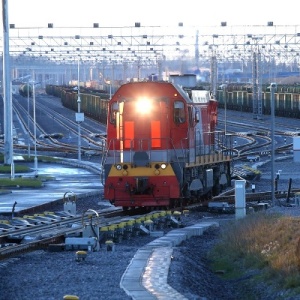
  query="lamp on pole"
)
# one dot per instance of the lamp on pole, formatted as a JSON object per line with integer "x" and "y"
{"x": 272, "y": 90}
{"x": 34, "y": 131}
{"x": 12, "y": 169}
{"x": 79, "y": 116}
{"x": 28, "y": 138}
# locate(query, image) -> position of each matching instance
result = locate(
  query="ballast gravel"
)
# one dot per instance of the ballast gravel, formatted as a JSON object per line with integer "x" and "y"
{"x": 45, "y": 275}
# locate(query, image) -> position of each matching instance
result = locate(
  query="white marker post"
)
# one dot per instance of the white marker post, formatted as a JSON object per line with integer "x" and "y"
{"x": 240, "y": 199}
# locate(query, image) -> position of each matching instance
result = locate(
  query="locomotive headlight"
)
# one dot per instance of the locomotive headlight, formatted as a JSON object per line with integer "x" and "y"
{"x": 119, "y": 167}
{"x": 143, "y": 105}
{"x": 163, "y": 166}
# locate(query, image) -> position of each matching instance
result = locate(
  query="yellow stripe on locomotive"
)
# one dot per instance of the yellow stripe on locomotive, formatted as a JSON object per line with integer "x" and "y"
{"x": 158, "y": 169}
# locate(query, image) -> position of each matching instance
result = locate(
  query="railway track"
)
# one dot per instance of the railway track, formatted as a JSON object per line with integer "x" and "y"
{"x": 256, "y": 197}
{"x": 58, "y": 229}
{"x": 38, "y": 231}
{"x": 52, "y": 229}
{"x": 49, "y": 109}
{"x": 56, "y": 128}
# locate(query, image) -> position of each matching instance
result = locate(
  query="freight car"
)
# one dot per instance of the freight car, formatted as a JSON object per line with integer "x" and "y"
{"x": 25, "y": 90}
{"x": 162, "y": 147}
{"x": 240, "y": 97}
{"x": 93, "y": 102}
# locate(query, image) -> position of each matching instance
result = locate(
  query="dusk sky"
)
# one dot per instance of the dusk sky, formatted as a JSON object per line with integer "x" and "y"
{"x": 73, "y": 13}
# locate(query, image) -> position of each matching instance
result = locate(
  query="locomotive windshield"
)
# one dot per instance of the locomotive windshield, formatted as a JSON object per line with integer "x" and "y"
{"x": 113, "y": 112}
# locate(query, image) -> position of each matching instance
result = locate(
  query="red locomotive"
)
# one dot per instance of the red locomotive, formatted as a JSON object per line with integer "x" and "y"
{"x": 162, "y": 147}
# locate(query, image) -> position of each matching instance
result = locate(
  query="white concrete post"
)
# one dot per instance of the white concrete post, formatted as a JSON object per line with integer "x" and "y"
{"x": 240, "y": 199}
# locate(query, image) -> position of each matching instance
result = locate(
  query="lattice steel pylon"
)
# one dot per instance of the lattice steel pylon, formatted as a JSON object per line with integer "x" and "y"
{"x": 254, "y": 85}
{"x": 257, "y": 85}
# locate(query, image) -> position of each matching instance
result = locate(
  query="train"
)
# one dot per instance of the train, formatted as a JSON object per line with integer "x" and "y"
{"x": 239, "y": 96}
{"x": 163, "y": 149}
{"x": 154, "y": 160}
{"x": 167, "y": 154}
{"x": 93, "y": 102}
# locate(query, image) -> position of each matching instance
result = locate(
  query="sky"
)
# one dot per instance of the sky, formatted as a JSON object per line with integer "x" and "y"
{"x": 110, "y": 13}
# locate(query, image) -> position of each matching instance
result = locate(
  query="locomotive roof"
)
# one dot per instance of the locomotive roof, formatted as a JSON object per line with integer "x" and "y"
{"x": 200, "y": 96}
{"x": 183, "y": 93}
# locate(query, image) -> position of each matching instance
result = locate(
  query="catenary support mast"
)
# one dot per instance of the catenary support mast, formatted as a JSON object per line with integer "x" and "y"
{"x": 8, "y": 140}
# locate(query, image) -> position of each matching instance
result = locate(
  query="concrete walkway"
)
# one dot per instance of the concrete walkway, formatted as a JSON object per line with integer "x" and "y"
{"x": 147, "y": 274}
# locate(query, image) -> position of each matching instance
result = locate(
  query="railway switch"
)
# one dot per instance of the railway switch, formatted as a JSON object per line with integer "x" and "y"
{"x": 74, "y": 243}
{"x": 69, "y": 200}
{"x": 92, "y": 227}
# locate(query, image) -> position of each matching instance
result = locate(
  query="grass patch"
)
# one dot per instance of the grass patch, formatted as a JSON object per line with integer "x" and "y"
{"x": 41, "y": 158}
{"x": 20, "y": 168}
{"x": 6, "y": 169}
{"x": 263, "y": 242}
{"x": 255, "y": 171}
{"x": 21, "y": 182}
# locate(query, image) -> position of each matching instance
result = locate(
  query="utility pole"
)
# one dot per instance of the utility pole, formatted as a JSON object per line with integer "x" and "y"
{"x": 8, "y": 139}
{"x": 272, "y": 90}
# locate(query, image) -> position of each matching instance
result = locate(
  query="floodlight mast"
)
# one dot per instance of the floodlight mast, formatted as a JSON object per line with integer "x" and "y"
{"x": 8, "y": 141}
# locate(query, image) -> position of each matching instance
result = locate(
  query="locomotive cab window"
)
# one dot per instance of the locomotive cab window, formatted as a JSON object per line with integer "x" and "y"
{"x": 113, "y": 112}
{"x": 179, "y": 115}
